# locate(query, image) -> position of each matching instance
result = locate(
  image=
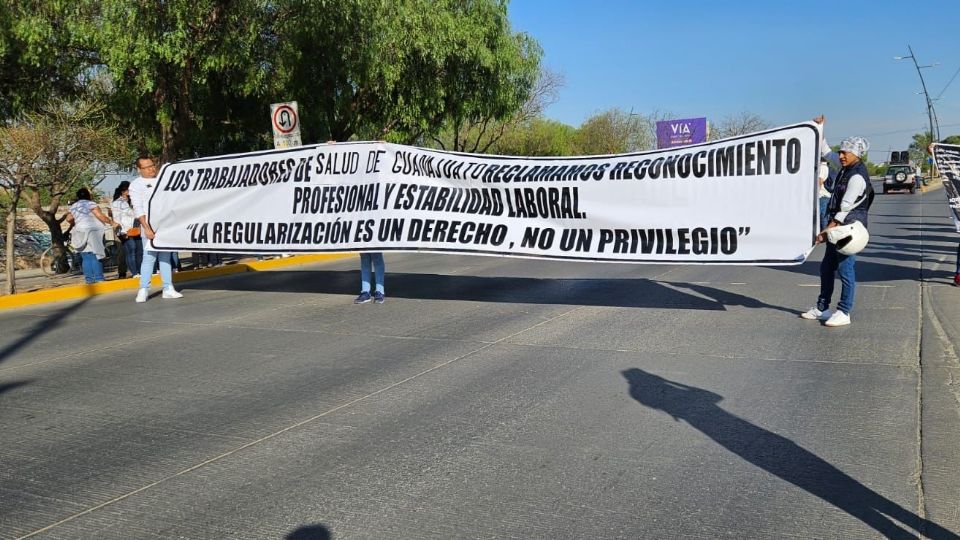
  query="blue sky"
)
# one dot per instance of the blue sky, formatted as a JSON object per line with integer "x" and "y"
{"x": 781, "y": 60}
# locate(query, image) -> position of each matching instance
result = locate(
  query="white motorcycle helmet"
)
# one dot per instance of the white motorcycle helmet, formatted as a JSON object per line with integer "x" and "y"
{"x": 849, "y": 239}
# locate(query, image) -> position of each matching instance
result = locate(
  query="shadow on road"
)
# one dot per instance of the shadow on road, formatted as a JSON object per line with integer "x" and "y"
{"x": 11, "y": 385}
{"x": 587, "y": 292}
{"x": 310, "y": 532}
{"x": 41, "y": 327}
{"x": 727, "y": 298}
{"x": 778, "y": 455}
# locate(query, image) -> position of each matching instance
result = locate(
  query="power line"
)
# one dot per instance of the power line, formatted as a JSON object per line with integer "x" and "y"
{"x": 949, "y": 83}
{"x": 913, "y": 130}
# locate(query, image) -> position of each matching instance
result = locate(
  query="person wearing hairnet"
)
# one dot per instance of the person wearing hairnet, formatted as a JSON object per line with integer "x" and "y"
{"x": 850, "y": 201}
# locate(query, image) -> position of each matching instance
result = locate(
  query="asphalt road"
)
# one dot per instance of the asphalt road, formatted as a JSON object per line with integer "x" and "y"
{"x": 497, "y": 398}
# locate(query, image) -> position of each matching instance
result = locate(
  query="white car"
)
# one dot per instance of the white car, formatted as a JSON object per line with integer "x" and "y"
{"x": 899, "y": 177}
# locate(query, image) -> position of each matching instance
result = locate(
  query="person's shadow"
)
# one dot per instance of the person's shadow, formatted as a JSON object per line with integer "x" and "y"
{"x": 778, "y": 455}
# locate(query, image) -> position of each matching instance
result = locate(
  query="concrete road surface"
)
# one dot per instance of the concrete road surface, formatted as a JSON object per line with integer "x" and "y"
{"x": 497, "y": 398}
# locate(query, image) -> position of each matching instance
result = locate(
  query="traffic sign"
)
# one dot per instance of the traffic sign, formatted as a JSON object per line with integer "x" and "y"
{"x": 285, "y": 119}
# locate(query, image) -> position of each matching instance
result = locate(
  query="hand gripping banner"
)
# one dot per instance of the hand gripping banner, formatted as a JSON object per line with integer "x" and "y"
{"x": 745, "y": 200}
{"x": 947, "y": 158}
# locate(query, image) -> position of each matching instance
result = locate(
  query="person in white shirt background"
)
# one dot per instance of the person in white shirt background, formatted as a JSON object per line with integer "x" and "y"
{"x": 86, "y": 234}
{"x": 129, "y": 232}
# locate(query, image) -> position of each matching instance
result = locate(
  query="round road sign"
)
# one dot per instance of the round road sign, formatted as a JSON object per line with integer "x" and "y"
{"x": 285, "y": 119}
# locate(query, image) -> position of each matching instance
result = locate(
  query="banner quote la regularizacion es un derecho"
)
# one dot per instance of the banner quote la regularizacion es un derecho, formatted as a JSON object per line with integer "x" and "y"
{"x": 745, "y": 200}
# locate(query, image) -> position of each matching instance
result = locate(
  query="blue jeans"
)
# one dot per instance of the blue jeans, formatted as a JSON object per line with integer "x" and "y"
{"x": 92, "y": 269}
{"x": 150, "y": 258}
{"x": 133, "y": 253}
{"x": 823, "y": 212}
{"x": 368, "y": 260}
{"x": 832, "y": 264}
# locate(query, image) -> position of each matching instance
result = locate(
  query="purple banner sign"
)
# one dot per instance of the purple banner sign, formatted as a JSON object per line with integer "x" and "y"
{"x": 671, "y": 133}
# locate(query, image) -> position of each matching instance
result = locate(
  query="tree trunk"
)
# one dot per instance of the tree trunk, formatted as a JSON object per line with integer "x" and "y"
{"x": 11, "y": 240}
{"x": 54, "y": 225}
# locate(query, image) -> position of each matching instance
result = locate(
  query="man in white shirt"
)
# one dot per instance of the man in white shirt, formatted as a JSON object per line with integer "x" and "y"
{"x": 140, "y": 191}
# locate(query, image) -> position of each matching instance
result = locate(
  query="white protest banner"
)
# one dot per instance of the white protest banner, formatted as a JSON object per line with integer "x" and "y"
{"x": 745, "y": 200}
{"x": 947, "y": 158}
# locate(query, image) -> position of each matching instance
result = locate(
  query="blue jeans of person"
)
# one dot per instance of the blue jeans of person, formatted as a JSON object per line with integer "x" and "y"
{"x": 374, "y": 261}
{"x": 823, "y": 212}
{"x": 836, "y": 263}
{"x": 133, "y": 254}
{"x": 150, "y": 258}
{"x": 92, "y": 268}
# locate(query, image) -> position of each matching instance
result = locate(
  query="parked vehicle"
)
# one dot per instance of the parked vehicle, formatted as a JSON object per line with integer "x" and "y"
{"x": 899, "y": 177}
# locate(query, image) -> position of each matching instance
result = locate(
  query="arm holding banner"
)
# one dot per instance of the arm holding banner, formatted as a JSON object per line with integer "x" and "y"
{"x": 829, "y": 155}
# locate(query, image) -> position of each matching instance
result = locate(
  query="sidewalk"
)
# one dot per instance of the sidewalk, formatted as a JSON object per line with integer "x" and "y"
{"x": 34, "y": 279}
{"x": 34, "y": 287}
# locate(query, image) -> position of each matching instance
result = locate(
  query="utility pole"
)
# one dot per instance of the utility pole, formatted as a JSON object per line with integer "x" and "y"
{"x": 934, "y": 134}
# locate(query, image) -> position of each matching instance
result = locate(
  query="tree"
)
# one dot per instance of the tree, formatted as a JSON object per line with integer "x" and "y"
{"x": 739, "y": 124}
{"x": 20, "y": 149}
{"x": 481, "y": 134}
{"x": 918, "y": 149}
{"x": 405, "y": 70}
{"x": 538, "y": 137}
{"x": 175, "y": 69}
{"x": 614, "y": 132}
{"x": 49, "y": 154}
{"x": 40, "y": 55}
{"x": 193, "y": 77}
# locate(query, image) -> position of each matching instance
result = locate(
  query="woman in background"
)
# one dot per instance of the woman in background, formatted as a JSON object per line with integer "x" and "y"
{"x": 86, "y": 234}
{"x": 129, "y": 231}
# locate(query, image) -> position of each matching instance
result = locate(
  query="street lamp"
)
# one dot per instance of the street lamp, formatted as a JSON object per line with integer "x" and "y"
{"x": 934, "y": 134}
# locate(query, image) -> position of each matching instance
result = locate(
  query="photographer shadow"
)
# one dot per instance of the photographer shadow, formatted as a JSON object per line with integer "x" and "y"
{"x": 778, "y": 455}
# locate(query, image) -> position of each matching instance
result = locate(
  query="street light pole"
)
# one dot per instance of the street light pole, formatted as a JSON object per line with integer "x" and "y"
{"x": 934, "y": 135}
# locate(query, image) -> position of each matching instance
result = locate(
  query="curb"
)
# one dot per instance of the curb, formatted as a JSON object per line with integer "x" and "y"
{"x": 71, "y": 292}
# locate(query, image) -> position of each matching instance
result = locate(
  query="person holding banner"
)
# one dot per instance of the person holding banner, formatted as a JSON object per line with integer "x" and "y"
{"x": 850, "y": 201}
{"x": 949, "y": 183}
{"x": 368, "y": 262}
{"x": 826, "y": 176}
{"x": 956, "y": 276}
{"x": 140, "y": 191}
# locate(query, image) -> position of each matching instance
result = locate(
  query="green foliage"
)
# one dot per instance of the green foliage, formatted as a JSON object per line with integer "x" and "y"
{"x": 48, "y": 155}
{"x": 403, "y": 70}
{"x": 918, "y": 150}
{"x": 539, "y": 137}
{"x": 614, "y": 132}
{"x": 875, "y": 169}
{"x": 40, "y": 53}
{"x": 952, "y": 139}
{"x": 182, "y": 76}
{"x": 196, "y": 77}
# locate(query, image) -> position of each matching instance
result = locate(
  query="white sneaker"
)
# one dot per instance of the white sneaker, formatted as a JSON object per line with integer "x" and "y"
{"x": 142, "y": 295}
{"x": 170, "y": 292}
{"x": 838, "y": 319}
{"x": 814, "y": 314}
